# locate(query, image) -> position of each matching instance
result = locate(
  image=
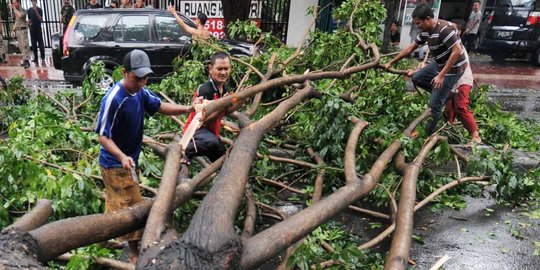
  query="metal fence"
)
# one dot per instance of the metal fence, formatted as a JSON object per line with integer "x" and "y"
{"x": 275, "y": 15}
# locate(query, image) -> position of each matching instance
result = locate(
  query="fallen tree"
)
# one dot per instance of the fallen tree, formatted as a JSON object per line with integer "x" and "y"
{"x": 304, "y": 120}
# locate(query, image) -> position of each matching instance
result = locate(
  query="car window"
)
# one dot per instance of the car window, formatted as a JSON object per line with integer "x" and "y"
{"x": 516, "y": 3}
{"x": 132, "y": 29}
{"x": 89, "y": 27}
{"x": 168, "y": 29}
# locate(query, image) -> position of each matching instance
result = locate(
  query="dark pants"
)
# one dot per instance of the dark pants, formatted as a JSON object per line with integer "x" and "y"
{"x": 37, "y": 38}
{"x": 206, "y": 144}
{"x": 469, "y": 42}
{"x": 438, "y": 97}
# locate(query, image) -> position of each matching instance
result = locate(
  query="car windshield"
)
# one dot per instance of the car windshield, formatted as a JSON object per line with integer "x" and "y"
{"x": 516, "y": 3}
{"x": 88, "y": 27}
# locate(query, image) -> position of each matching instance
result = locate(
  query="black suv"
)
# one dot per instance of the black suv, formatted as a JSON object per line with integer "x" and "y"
{"x": 109, "y": 34}
{"x": 514, "y": 30}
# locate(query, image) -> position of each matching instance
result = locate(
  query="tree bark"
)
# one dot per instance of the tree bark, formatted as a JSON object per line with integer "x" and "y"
{"x": 401, "y": 242}
{"x": 59, "y": 237}
{"x": 162, "y": 207}
{"x": 273, "y": 240}
{"x": 214, "y": 244}
{"x": 234, "y": 10}
{"x": 225, "y": 102}
{"x": 34, "y": 218}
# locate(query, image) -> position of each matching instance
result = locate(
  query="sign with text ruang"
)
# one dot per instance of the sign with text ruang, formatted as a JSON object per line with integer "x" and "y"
{"x": 214, "y": 10}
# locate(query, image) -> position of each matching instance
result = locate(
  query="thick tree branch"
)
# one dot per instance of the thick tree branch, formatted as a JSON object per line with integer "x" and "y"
{"x": 251, "y": 215}
{"x": 224, "y": 198}
{"x": 269, "y": 242}
{"x": 379, "y": 238}
{"x": 350, "y": 151}
{"x": 161, "y": 209}
{"x": 35, "y": 218}
{"x": 401, "y": 242}
{"x": 225, "y": 102}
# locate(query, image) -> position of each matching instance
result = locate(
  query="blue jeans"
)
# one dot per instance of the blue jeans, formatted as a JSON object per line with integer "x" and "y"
{"x": 423, "y": 79}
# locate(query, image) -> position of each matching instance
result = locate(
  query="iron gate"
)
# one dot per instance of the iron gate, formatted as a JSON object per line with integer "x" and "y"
{"x": 274, "y": 17}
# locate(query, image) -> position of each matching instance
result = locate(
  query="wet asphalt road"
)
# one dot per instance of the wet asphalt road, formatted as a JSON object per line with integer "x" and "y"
{"x": 485, "y": 235}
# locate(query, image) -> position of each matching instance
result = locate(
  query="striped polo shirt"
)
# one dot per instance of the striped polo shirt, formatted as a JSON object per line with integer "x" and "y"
{"x": 441, "y": 40}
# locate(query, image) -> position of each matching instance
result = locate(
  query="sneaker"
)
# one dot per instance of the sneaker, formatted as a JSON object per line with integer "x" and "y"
{"x": 35, "y": 60}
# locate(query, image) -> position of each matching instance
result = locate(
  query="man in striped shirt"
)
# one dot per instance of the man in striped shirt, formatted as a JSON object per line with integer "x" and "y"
{"x": 442, "y": 75}
{"x": 120, "y": 129}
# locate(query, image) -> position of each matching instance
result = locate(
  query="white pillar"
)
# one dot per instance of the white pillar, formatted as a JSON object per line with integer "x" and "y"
{"x": 299, "y": 20}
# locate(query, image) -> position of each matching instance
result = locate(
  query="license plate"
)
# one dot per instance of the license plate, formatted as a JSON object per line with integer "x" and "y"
{"x": 503, "y": 34}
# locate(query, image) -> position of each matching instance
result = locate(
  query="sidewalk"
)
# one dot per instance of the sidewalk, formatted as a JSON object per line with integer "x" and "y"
{"x": 43, "y": 71}
{"x": 512, "y": 74}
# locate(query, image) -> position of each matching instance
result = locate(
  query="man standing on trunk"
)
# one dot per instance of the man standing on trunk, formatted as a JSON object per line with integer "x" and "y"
{"x": 120, "y": 130}
{"x": 35, "y": 15}
{"x": 442, "y": 75}
{"x": 20, "y": 28}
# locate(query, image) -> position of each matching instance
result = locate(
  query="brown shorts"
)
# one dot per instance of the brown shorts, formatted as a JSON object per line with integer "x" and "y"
{"x": 121, "y": 192}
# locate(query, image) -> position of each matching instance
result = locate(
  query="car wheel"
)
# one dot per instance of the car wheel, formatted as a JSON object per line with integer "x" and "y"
{"x": 536, "y": 57}
{"x": 107, "y": 81}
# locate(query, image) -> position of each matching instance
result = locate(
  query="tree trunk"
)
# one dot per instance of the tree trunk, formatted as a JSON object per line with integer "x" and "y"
{"x": 210, "y": 242}
{"x": 234, "y": 10}
{"x": 18, "y": 250}
{"x": 56, "y": 238}
{"x": 35, "y": 218}
{"x": 162, "y": 207}
{"x": 401, "y": 242}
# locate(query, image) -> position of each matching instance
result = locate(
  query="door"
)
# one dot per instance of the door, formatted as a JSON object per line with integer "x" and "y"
{"x": 171, "y": 41}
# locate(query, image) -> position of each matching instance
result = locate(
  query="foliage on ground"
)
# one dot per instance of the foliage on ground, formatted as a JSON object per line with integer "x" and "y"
{"x": 50, "y": 154}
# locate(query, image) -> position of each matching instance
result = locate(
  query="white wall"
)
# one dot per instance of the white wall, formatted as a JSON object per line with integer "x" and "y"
{"x": 299, "y": 20}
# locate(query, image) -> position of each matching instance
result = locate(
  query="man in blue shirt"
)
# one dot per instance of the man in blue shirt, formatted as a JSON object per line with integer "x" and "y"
{"x": 120, "y": 129}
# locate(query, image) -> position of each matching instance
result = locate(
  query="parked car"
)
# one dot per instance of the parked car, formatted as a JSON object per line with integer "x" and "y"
{"x": 514, "y": 30}
{"x": 109, "y": 34}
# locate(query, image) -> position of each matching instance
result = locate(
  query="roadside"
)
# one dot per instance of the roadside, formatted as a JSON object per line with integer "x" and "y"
{"x": 516, "y": 84}
{"x": 43, "y": 71}
{"x": 485, "y": 235}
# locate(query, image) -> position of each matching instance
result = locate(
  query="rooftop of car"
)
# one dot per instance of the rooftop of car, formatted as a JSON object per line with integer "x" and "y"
{"x": 148, "y": 10}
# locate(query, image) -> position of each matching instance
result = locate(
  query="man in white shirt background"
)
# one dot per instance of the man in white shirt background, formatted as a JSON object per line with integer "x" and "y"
{"x": 472, "y": 26}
